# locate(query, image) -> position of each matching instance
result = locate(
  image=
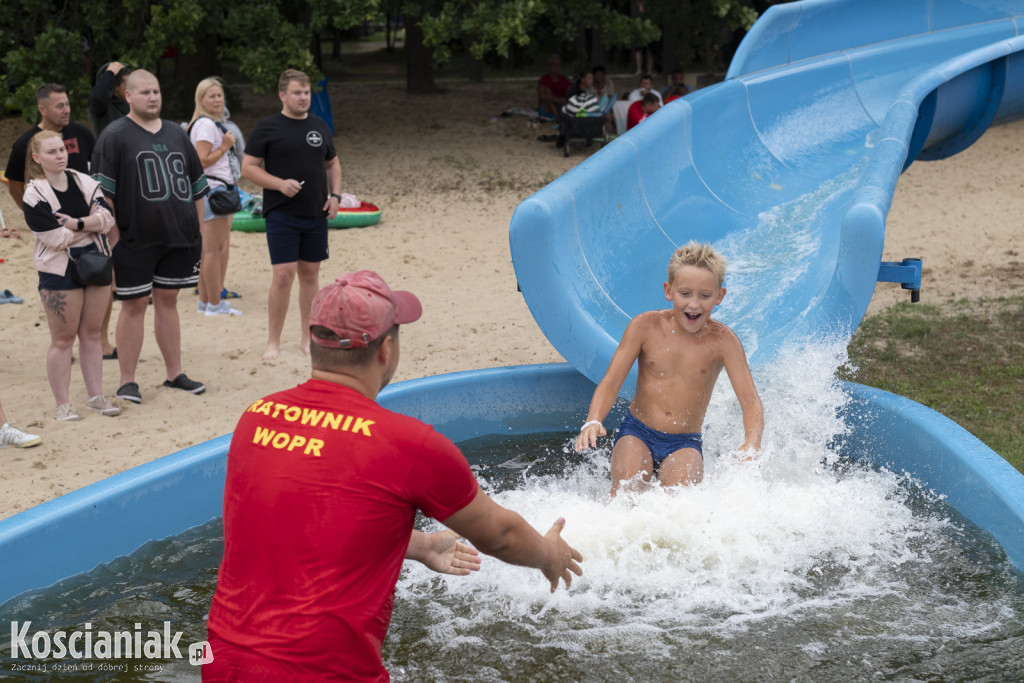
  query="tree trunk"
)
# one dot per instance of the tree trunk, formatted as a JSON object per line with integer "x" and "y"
{"x": 315, "y": 48}
{"x": 598, "y": 54}
{"x": 419, "y": 64}
{"x": 474, "y": 67}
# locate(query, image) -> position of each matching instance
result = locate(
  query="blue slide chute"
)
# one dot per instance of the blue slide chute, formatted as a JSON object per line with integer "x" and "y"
{"x": 788, "y": 167}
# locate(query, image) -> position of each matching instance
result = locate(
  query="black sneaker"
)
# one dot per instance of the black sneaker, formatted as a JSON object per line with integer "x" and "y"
{"x": 185, "y": 384}
{"x": 130, "y": 392}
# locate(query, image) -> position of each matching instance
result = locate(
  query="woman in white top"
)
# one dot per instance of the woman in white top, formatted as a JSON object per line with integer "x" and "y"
{"x": 213, "y": 143}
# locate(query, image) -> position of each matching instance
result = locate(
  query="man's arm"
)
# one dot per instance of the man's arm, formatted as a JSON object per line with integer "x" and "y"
{"x": 97, "y": 103}
{"x": 17, "y": 190}
{"x": 504, "y": 534}
{"x": 252, "y": 168}
{"x": 333, "y": 168}
{"x": 443, "y": 552}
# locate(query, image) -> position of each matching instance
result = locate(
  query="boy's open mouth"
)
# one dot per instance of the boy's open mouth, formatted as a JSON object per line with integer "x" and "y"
{"x": 692, "y": 317}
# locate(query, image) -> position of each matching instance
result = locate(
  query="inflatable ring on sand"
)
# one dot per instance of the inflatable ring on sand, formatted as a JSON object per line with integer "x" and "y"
{"x": 356, "y": 217}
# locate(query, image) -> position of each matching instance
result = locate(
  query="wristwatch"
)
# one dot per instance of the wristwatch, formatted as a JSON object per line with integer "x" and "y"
{"x": 81, "y": 225}
{"x": 335, "y": 195}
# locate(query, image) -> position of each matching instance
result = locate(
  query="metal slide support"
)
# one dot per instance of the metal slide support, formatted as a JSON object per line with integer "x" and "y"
{"x": 907, "y": 273}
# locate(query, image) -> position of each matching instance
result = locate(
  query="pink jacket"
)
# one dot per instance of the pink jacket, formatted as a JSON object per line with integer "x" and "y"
{"x": 50, "y": 249}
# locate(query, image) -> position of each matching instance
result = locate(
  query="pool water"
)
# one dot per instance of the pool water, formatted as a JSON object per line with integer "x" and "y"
{"x": 802, "y": 565}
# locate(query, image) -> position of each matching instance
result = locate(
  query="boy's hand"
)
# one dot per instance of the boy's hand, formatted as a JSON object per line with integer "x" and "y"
{"x": 588, "y": 435}
{"x": 749, "y": 452}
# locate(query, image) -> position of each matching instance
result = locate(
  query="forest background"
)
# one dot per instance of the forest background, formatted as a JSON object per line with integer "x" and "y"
{"x": 183, "y": 41}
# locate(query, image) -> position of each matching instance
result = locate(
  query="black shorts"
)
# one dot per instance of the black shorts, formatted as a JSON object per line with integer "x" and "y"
{"x": 137, "y": 270}
{"x": 296, "y": 238}
{"x": 55, "y": 283}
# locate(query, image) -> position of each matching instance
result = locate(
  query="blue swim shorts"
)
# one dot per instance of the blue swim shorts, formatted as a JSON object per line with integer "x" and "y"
{"x": 660, "y": 444}
{"x": 296, "y": 238}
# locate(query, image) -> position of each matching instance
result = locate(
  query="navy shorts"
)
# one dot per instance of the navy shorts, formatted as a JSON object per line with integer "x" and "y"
{"x": 138, "y": 269}
{"x": 660, "y": 444}
{"x": 54, "y": 283}
{"x": 296, "y": 238}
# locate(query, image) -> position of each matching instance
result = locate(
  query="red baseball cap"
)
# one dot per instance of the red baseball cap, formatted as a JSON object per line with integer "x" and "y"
{"x": 360, "y": 307}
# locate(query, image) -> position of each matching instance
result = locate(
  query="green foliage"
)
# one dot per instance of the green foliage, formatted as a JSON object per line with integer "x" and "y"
{"x": 67, "y": 41}
{"x": 493, "y": 24}
{"x": 56, "y": 56}
{"x": 343, "y": 14}
{"x": 245, "y": 39}
{"x": 967, "y": 366}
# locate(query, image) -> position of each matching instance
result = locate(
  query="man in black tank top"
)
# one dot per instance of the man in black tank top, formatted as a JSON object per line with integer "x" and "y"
{"x": 150, "y": 171}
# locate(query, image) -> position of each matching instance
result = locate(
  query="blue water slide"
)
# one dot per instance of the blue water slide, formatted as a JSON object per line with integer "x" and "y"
{"x": 788, "y": 167}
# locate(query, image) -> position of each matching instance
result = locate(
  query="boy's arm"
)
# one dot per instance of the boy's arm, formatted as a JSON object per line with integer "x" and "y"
{"x": 608, "y": 388}
{"x": 736, "y": 365}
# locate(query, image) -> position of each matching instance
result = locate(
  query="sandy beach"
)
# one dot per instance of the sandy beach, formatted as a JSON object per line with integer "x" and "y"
{"x": 448, "y": 176}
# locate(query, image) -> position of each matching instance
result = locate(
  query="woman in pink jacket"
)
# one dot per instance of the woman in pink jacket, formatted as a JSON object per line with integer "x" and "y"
{"x": 68, "y": 216}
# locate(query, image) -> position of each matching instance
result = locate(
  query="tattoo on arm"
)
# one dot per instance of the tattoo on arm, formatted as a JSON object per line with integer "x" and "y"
{"x": 56, "y": 301}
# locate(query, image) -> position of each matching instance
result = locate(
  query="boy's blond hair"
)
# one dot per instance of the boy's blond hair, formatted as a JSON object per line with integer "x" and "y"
{"x": 700, "y": 255}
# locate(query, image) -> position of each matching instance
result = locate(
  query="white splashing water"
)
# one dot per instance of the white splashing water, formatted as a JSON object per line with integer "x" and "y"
{"x": 797, "y": 534}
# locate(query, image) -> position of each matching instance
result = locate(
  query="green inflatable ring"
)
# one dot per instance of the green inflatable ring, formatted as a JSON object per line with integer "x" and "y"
{"x": 357, "y": 217}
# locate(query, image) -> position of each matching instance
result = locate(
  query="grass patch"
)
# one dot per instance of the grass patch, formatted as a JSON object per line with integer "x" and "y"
{"x": 964, "y": 359}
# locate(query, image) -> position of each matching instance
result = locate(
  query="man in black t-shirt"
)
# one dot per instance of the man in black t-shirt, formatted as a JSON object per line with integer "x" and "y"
{"x": 150, "y": 171}
{"x": 55, "y": 114}
{"x": 291, "y": 156}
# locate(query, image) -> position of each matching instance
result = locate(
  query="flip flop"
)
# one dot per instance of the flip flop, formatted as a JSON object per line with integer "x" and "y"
{"x": 111, "y": 356}
{"x": 7, "y": 297}
{"x": 225, "y": 294}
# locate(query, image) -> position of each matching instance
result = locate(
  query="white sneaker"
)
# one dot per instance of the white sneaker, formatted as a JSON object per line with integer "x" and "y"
{"x": 223, "y": 308}
{"x": 103, "y": 406}
{"x": 201, "y": 307}
{"x": 12, "y": 436}
{"x": 65, "y": 413}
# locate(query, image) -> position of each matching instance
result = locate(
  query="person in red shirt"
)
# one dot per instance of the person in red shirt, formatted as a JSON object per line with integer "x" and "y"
{"x": 552, "y": 89}
{"x": 641, "y": 109}
{"x": 322, "y": 489}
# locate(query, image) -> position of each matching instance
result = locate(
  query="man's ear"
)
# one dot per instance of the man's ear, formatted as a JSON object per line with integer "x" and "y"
{"x": 386, "y": 349}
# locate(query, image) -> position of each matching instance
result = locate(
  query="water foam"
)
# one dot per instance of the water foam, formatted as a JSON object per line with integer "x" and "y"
{"x": 799, "y": 534}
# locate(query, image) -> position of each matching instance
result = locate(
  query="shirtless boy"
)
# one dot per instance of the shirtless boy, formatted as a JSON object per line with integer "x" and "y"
{"x": 681, "y": 353}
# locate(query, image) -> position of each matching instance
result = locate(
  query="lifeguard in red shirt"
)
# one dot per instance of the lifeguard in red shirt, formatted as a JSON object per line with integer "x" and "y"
{"x": 322, "y": 488}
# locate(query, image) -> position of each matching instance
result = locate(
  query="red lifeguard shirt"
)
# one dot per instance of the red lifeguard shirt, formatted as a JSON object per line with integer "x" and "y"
{"x": 322, "y": 490}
